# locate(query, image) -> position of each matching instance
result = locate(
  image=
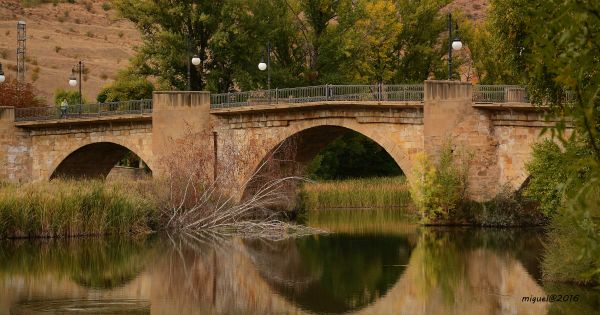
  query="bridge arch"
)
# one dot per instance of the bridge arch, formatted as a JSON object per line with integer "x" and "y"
{"x": 401, "y": 141}
{"x": 92, "y": 160}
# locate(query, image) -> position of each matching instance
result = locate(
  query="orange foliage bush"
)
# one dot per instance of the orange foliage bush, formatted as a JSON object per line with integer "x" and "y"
{"x": 20, "y": 95}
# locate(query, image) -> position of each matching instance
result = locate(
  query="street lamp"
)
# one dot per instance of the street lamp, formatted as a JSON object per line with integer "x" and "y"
{"x": 2, "y": 77}
{"x": 196, "y": 60}
{"x": 262, "y": 66}
{"x": 73, "y": 79}
{"x": 454, "y": 44}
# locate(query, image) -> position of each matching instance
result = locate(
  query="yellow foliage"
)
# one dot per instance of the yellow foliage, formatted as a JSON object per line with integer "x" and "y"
{"x": 372, "y": 40}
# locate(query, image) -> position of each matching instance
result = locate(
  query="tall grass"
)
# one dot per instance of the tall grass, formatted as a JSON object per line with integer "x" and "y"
{"x": 378, "y": 192}
{"x": 74, "y": 208}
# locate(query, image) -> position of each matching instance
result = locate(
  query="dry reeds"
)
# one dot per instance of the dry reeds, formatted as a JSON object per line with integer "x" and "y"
{"x": 63, "y": 208}
{"x": 378, "y": 192}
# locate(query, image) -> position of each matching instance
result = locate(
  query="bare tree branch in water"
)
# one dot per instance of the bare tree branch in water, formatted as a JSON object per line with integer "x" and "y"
{"x": 198, "y": 202}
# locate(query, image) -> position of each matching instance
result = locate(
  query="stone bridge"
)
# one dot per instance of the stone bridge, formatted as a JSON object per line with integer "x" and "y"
{"x": 497, "y": 124}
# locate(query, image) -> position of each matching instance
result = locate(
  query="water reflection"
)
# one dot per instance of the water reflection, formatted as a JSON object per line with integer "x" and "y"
{"x": 377, "y": 270}
{"x": 333, "y": 274}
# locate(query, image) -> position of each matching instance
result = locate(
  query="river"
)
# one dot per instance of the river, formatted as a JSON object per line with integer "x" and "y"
{"x": 372, "y": 262}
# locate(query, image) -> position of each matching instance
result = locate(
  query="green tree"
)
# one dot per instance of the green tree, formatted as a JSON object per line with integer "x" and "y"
{"x": 372, "y": 41}
{"x": 556, "y": 52}
{"x": 165, "y": 26}
{"x": 126, "y": 87}
{"x": 500, "y": 46}
{"x": 418, "y": 51}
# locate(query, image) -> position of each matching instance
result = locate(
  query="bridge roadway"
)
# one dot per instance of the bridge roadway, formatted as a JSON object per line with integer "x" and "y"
{"x": 495, "y": 123}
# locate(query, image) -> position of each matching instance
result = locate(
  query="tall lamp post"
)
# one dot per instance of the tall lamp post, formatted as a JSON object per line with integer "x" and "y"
{"x": 454, "y": 43}
{"x": 2, "y": 77}
{"x": 73, "y": 79}
{"x": 195, "y": 60}
{"x": 262, "y": 66}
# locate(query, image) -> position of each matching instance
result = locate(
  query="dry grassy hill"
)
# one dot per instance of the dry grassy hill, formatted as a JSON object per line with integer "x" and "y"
{"x": 60, "y": 35}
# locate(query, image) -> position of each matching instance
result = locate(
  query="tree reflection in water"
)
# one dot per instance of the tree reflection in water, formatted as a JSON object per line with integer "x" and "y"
{"x": 98, "y": 263}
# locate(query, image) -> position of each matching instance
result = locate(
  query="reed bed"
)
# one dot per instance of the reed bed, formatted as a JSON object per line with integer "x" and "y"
{"x": 378, "y": 192}
{"x": 64, "y": 208}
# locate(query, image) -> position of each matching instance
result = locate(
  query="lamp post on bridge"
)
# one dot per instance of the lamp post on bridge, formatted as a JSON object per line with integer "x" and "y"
{"x": 454, "y": 43}
{"x": 195, "y": 60}
{"x": 2, "y": 77}
{"x": 262, "y": 66}
{"x": 73, "y": 79}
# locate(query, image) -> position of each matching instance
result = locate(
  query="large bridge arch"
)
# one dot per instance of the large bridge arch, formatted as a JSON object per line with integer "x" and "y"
{"x": 93, "y": 160}
{"x": 402, "y": 141}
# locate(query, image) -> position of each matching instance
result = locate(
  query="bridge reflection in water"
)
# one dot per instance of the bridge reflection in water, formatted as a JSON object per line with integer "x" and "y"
{"x": 376, "y": 271}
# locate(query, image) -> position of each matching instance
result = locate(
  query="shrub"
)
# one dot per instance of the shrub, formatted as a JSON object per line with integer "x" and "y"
{"x": 106, "y": 6}
{"x": 507, "y": 209}
{"x": 126, "y": 87}
{"x": 88, "y": 6}
{"x": 35, "y": 74}
{"x": 438, "y": 188}
{"x": 72, "y": 97}
{"x": 550, "y": 167}
{"x": 573, "y": 250}
{"x": 17, "y": 94}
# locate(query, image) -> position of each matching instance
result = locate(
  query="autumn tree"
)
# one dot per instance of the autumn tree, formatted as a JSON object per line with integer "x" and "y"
{"x": 18, "y": 94}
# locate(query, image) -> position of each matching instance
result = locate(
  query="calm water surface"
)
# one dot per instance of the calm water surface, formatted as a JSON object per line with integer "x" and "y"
{"x": 375, "y": 262}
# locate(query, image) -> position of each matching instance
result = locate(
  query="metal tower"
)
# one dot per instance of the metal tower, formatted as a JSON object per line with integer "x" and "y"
{"x": 21, "y": 41}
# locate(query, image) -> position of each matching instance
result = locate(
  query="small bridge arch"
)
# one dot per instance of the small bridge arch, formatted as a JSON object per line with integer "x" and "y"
{"x": 93, "y": 160}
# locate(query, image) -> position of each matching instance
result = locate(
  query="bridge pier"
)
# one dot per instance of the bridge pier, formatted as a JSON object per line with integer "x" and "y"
{"x": 449, "y": 116}
{"x": 178, "y": 115}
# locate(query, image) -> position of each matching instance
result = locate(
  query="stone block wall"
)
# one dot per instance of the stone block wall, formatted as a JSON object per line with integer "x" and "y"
{"x": 15, "y": 149}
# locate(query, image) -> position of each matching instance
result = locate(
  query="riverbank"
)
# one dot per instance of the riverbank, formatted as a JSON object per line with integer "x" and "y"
{"x": 377, "y": 192}
{"x": 66, "y": 208}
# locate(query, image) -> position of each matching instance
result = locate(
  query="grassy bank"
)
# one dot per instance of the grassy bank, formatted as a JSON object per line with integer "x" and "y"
{"x": 378, "y": 192}
{"x": 75, "y": 208}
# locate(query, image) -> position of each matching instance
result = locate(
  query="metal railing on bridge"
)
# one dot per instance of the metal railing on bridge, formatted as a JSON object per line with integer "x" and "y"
{"x": 137, "y": 107}
{"x": 510, "y": 93}
{"x": 321, "y": 93}
{"x": 500, "y": 94}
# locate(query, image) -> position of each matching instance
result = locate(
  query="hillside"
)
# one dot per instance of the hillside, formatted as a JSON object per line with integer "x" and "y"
{"x": 60, "y": 35}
